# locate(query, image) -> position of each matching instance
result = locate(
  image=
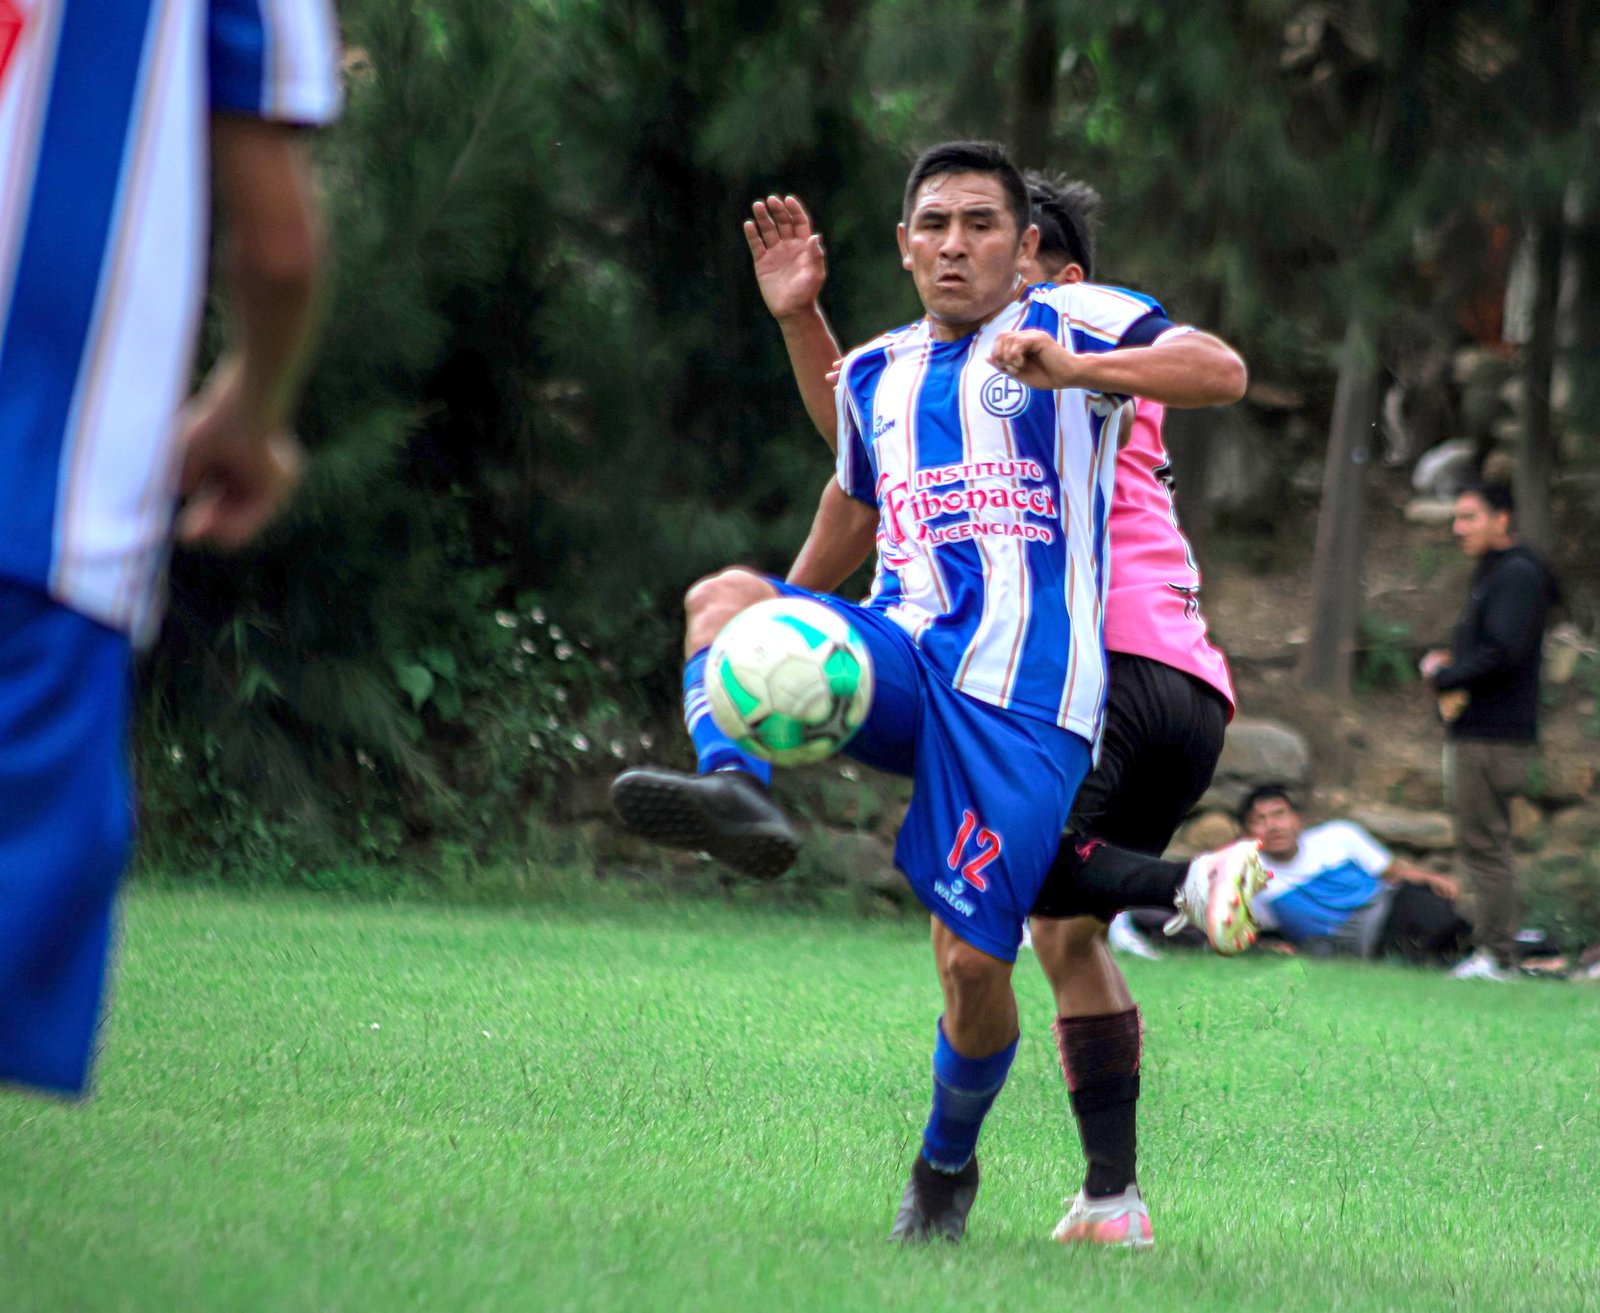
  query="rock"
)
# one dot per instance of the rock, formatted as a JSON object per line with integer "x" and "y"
{"x": 1527, "y": 820}
{"x": 1478, "y": 364}
{"x": 1419, "y": 787}
{"x": 1337, "y": 802}
{"x": 1207, "y": 831}
{"x": 1479, "y": 403}
{"x": 860, "y": 861}
{"x": 1577, "y": 827}
{"x": 1564, "y": 647}
{"x": 1441, "y": 473}
{"x": 1500, "y": 465}
{"x": 1564, "y": 865}
{"x": 1264, "y": 752}
{"x": 1429, "y": 510}
{"x": 1224, "y": 796}
{"x": 1401, "y": 827}
{"x": 1561, "y": 781}
{"x": 1307, "y": 478}
{"x": 1506, "y": 431}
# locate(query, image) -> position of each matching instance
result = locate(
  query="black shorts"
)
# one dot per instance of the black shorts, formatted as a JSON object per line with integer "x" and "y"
{"x": 1423, "y": 928}
{"x": 1162, "y": 738}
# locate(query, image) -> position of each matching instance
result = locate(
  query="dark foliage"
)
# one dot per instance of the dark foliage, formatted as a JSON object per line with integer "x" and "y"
{"x": 547, "y": 384}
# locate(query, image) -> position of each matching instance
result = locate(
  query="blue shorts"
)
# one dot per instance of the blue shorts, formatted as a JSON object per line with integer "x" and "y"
{"x": 992, "y": 788}
{"x": 65, "y": 826}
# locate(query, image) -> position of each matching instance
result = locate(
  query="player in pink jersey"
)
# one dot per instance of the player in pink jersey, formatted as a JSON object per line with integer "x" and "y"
{"x": 1168, "y": 703}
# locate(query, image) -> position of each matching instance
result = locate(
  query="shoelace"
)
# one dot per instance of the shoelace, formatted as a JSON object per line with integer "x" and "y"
{"x": 1184, "y": 916}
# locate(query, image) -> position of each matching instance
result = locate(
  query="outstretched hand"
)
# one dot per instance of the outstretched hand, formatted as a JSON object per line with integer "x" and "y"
{"x": 790, "y": 263}
{"x": 1034, "y": 358}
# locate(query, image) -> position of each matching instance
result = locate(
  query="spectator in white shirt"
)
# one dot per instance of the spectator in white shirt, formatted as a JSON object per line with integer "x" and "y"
{"x": 1335, "y": 889}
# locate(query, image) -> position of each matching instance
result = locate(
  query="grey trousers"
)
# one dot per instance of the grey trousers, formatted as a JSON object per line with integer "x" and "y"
{"x": 1482, "y": 776}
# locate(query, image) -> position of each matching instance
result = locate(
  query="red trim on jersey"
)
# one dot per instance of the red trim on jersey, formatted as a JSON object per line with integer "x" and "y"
{"x": 10, "y": 33}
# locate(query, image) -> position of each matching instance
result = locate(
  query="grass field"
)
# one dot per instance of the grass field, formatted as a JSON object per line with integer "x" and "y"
{"x": 311, "y": 1105}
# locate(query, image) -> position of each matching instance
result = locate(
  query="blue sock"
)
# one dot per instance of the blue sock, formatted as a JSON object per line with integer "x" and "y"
{"x": 713, "y": 749}
{"x": 963, "y": 1090}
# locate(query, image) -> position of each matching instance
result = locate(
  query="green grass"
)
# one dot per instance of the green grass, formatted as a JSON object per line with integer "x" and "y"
{"x": 312, "y": 1105}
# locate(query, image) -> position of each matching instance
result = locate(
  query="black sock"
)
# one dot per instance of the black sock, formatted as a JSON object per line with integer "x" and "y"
{"x": 1097, "y": 879}
{"x": 1100, "y": 1059}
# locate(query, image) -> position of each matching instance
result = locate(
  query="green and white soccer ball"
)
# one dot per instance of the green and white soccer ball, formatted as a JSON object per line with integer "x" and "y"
{"x": 789, "y": 680}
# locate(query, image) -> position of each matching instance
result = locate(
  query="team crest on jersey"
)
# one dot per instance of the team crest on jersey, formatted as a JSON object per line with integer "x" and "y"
{"x": 1002, "y": 396}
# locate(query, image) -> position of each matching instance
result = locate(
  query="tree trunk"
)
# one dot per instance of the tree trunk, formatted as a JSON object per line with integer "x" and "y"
{"x": 1038, "y": 51}
{"x": 1557, "y": 40}
{"x": 1536, "y": 452}
{"x": 1336, "y": 593}
{"x": 1583, "y": 356}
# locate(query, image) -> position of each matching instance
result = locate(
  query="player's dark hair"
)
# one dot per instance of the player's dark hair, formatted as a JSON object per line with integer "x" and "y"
{"x": 1496, "y": 496}
{"x": 1065, "y": 211}
{"x": 1264, "y": 793}
{"x": 970, "y": 157}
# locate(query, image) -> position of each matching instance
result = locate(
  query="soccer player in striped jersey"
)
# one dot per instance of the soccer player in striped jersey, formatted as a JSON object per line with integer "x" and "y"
{"x": 109, "y": 112}
{"x": 1169, "y": 699}
{"x": 977, "y": 445}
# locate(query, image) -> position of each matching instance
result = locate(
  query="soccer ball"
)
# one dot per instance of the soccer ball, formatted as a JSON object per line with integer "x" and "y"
{"x": 789, "y": 680}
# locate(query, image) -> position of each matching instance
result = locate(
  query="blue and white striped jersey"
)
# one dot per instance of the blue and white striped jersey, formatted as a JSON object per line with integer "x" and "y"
{"x": 993, "y": 499}
{"x": 104, "y": 108}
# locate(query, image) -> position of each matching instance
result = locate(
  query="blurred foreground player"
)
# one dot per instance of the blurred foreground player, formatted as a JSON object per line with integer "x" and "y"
{"x": 108, "y": 112}
{"x": 1169, "y": 699}
{"x": 976, "y": 446}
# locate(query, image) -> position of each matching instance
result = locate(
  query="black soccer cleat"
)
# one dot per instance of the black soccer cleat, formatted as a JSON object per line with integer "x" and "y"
{"x": 935, "y": 1204}
{"x": 727, "y": 813}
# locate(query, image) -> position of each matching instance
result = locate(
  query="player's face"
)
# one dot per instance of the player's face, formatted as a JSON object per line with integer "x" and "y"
{"x": 1477, "y": 528}
{"x": 963, "y": 249}
{"x": 1277, "y": 825}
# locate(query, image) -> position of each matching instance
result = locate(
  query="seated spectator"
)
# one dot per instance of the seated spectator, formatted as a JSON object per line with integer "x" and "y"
{"x": 1335, "y": 889}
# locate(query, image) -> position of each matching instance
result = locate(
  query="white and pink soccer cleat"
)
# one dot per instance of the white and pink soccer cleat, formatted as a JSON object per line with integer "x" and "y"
{"x": 1121, "y": 1220}
{"x": 1216, "y": 896}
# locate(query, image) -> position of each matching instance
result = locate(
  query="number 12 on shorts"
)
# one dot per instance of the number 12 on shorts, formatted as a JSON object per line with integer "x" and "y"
{"x": 988, "y": 848}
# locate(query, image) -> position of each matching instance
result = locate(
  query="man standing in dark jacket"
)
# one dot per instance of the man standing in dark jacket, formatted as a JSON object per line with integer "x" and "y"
{"x": 1488, "y": 690}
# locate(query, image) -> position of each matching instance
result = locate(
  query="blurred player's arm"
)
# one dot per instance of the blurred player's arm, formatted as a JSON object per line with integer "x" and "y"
{"x": 791, "y": 267}
{"x": 240, "y": 461}
{"x": 1182, "y": 370}
{"x": 842, "y": 536}
{"x": 1399, "y": 872}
